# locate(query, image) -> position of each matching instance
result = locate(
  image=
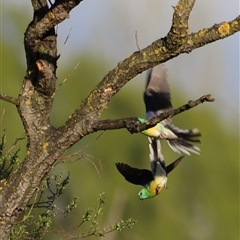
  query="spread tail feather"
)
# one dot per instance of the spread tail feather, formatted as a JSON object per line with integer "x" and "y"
{"x": 181, "y": 145}
{"x": 184, "y": 141}
{"x": 187, "y": 134}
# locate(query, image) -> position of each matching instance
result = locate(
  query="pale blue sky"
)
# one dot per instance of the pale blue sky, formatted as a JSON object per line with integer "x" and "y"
{"x": 108, "y": 28}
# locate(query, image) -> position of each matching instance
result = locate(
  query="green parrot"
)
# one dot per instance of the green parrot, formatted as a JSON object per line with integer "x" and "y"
{"x": 157, "y": 99}
{"x": 154, "y": 181}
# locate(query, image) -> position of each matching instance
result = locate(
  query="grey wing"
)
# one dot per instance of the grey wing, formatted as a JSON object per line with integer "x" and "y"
{"x": 157, "y": 96}
{"x": 157, "y": 99}
{"x": 134, "y": 175}
{"x": 157, "y": 161}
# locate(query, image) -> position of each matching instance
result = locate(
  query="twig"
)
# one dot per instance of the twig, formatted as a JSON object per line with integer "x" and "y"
{"x": 14, "y": 144}
{"x": 136, "y": 38}
{"x": 3, "y": 112}
{"x": 31, "y": 206}
{"x": 61, "y": 49}
{"x": 80, "y": 154}
{"x": 9, "y": 99}
{"x": 117, "y": 208}
{"x": 67, "y": 77}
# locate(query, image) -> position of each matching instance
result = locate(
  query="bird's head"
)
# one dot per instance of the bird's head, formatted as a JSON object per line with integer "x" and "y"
{"x": 145, "y": 194}
{"x": 154, "y": 188}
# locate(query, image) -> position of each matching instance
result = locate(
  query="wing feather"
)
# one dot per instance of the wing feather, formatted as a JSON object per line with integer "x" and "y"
{"x": 157, "y": 96}
{"x": 134, "y": 175}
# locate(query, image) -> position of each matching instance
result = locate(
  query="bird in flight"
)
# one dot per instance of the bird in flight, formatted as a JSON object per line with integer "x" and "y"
{"x": 157, "y": 99}
{"x": 153, "y": 181}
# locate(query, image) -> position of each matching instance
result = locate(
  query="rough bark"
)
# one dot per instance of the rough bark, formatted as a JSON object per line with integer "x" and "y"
{"x": 47, "y": 144}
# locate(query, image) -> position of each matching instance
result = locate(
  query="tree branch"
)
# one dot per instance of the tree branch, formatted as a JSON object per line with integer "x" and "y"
{"x": 9, "y": 99}
{"x": 138, "y": 62}
{"x": 58, "y": 12}
{"x": 209, "y": 35}
{"x": 47, "y": 144}
{"x": 179, "y": 28}
{"x": 135, "y": 126}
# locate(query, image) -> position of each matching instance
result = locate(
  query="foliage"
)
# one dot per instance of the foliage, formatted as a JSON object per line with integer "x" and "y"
{"x": 8, "y": 159}
{"x": 202, "y": 193}
{"x": 92, "y": 214}
{"x": 36, "y": 225}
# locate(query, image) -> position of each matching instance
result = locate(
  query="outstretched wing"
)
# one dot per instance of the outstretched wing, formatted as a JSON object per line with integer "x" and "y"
{"x": 171, "y": 166}
{"x": 157, "y": 96}
{"x": 135, "y": 175}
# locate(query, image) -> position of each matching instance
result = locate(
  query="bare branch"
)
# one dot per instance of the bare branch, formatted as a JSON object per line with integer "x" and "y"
{"x": 179, "y": 28}
{"x": 14, "y": 144}
{"x": 209, "y": 35}
{"x": 136, "y": 39}
{"x": 58, "y": 12}
{"x": 135, "y": 126}
{"x": 47, "y": 144}
{"x": 1, "y": 118}
{"x": 69, "y": 75}
{"x": 138, "y": 62}
{"x": 38, "y": 4}
{"x": 9, "y": 99}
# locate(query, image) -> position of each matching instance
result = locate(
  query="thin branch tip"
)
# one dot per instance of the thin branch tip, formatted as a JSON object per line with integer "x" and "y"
{"x": 133, "y": 125}
{"x": 9, "y": 99}
{"x": 209, "y": 98}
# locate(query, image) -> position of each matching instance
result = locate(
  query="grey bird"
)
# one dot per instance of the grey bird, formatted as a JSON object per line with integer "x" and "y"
{"x": 157, "y": 99}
